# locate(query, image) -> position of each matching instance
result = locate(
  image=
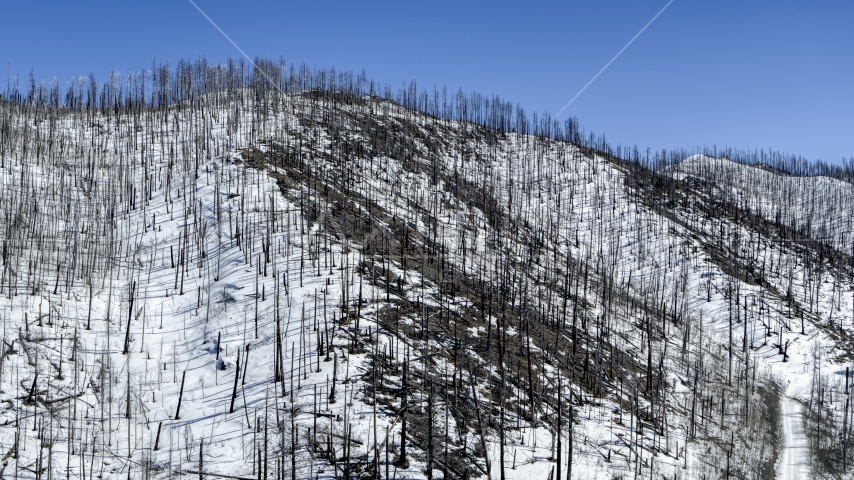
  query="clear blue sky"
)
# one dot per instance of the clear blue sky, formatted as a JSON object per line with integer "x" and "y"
{"x": 775, "y": 74}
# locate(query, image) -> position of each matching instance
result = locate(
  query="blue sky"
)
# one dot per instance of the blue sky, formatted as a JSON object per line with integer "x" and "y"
{"x": 745, "y": 74}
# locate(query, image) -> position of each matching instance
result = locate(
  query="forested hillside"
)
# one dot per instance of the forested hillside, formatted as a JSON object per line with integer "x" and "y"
{"x": 240, "y": 272}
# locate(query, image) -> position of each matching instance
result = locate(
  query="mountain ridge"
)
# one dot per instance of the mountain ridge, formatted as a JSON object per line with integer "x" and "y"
{"x": 496, "y": 293}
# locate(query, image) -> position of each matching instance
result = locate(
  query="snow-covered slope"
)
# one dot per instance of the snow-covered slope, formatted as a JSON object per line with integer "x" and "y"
{"x": 819, "y": 206}
{"x": 322, "y": 281}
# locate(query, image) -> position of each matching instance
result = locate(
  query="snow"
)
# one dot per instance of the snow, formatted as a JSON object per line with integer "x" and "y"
{"x": 177, "y": 318}
{"x": 794, "y": 463}
{"x": 820, "y": 205}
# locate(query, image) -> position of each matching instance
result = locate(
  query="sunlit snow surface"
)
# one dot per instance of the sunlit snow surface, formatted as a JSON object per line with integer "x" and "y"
{"x": 80, "y": 410}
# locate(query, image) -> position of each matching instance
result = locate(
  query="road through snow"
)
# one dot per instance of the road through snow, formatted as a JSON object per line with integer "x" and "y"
{"x": 794, "y": 462}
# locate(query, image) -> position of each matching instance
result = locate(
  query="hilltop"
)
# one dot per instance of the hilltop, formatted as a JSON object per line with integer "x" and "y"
{"x": 329, "y": 282}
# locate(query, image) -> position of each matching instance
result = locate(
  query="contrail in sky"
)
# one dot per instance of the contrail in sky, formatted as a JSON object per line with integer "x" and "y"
{"x": 612, "y": 60}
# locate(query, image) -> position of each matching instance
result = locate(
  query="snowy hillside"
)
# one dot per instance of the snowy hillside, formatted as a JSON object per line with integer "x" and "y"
{"x": 818, "y": 206}
{"x": 294, "y": 282}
